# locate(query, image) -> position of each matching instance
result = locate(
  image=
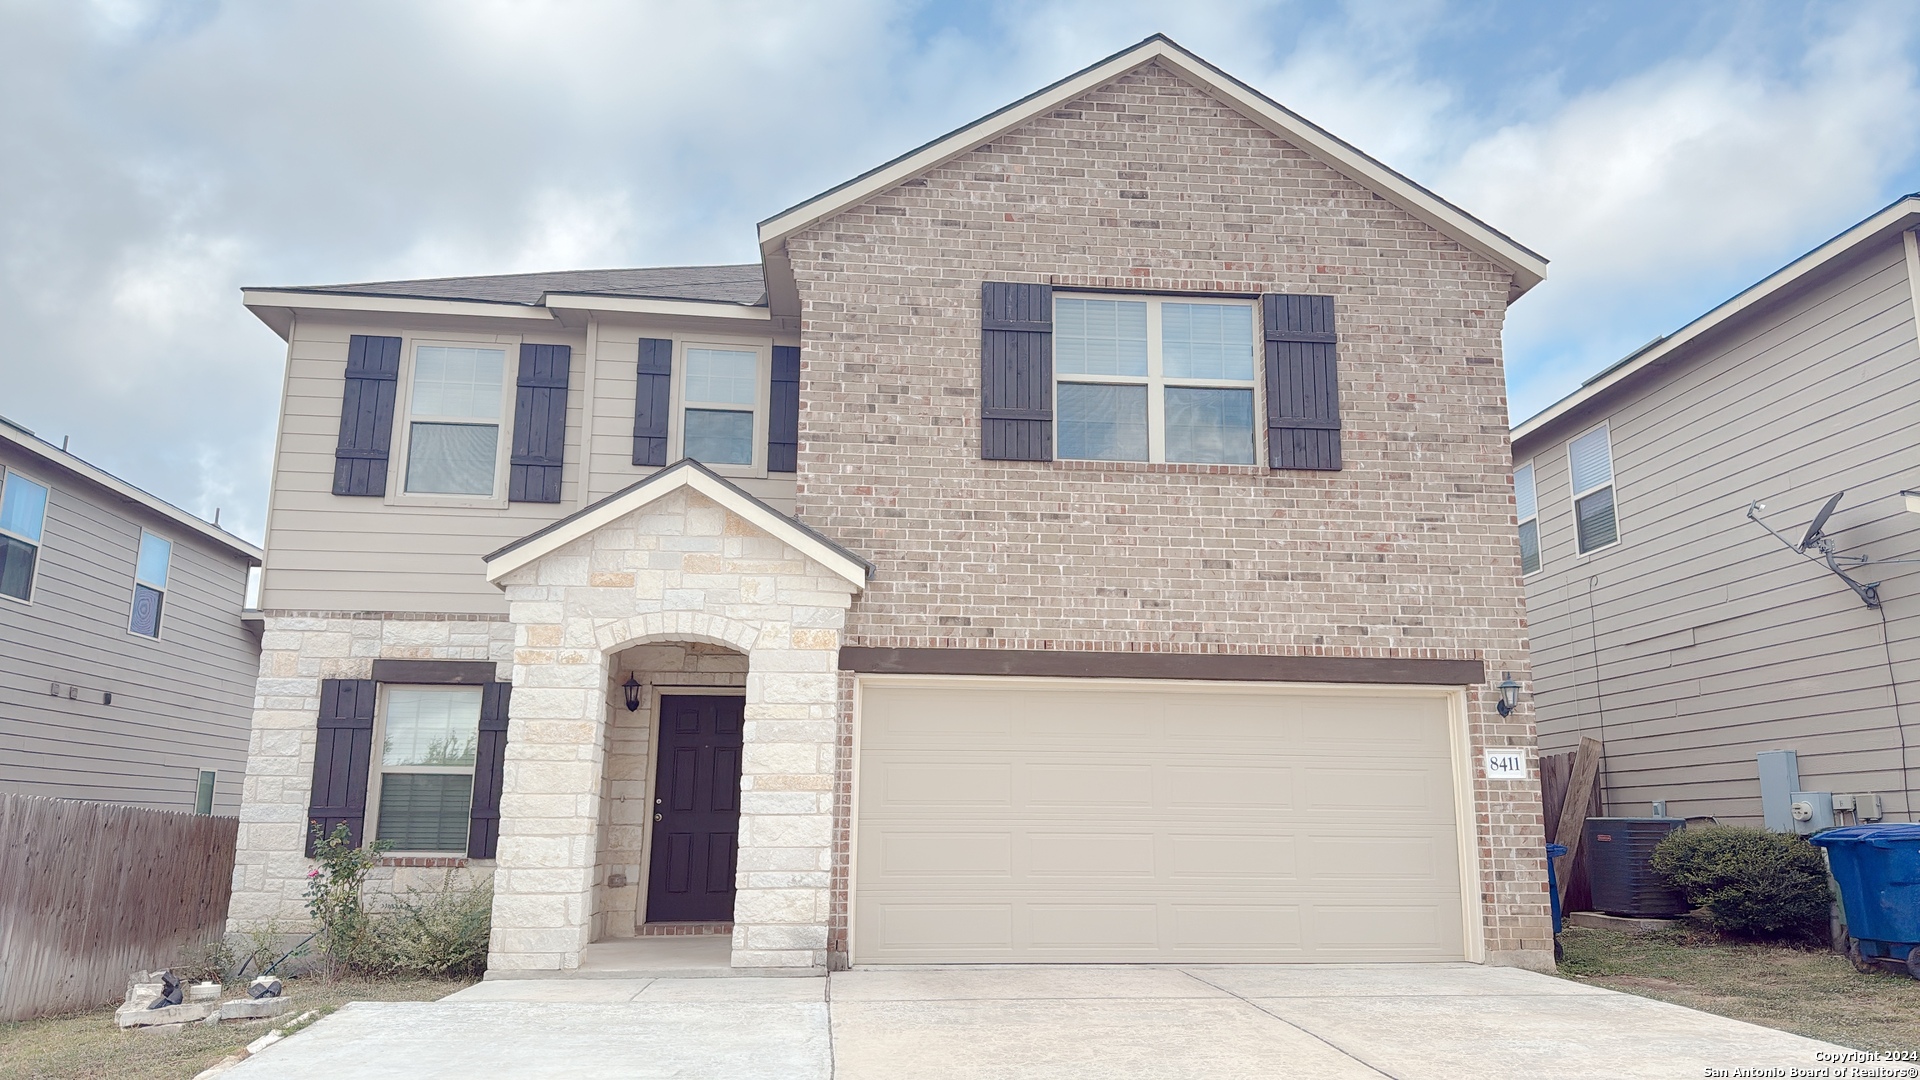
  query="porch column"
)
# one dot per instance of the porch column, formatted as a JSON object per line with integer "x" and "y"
{"x": 783, "y": 905}
{"x": 549, "y": 800}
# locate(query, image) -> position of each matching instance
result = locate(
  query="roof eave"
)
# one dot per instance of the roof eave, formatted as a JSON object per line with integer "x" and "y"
{"x": 275, "y": 306}
{"x": 1897, "y": 217}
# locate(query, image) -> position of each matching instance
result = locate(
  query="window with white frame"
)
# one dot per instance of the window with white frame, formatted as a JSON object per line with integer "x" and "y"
{"x": 428, "y": 740}
{"x": 150, "y": 572}
{"x": 1154, "y": 379}
{"x": 720, "y": 402}
{"x": 1527, "y": 510}
{"x": 453, "y": 419}
{"x": 1590, "y": 463}
{"x": 23, "y": 518}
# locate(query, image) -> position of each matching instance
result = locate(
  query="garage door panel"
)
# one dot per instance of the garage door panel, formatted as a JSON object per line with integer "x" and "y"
{"x": 1154, "y": 825}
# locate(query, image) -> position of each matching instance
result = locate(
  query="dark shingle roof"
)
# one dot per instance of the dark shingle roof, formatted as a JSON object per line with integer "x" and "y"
{"x": 739, "y": 284}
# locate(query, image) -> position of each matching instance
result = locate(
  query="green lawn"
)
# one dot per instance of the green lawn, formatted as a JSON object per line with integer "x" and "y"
{"x": 87, "y": 1046}
{"x": 1810, "y": 992}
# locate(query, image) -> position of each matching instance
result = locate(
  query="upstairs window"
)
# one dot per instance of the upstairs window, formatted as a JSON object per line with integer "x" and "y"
{"x": 1527, "y": 510}
{"x": 23, "y": 517}
{"x": 453, "y": 435}
{"x": 720, "y": 399}
{"x": 428, "y": 742}
{"x": 1590, "y": 462}
{"x": 150, "y": 584}
{"x": 1153, "y": 379}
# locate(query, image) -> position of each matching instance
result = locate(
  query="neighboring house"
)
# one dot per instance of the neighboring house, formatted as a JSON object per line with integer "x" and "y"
{"x": 1100, "y": 549}
{"x": 1677, "y": 631}
{"x": 127, "y": 664}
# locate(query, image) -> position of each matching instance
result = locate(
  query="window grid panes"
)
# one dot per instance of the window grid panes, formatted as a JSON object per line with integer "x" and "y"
{"x": 1590, "y": 468}
{"x": 151, "y": 567}
{"x": 23, "y": 517}
{"x": 720, "y": 398}
{"x": 1152, "y": 379}
{"x": 1526, "y": 510}
{"x": 429, "y": 742}
{"x": 453, "y": 440}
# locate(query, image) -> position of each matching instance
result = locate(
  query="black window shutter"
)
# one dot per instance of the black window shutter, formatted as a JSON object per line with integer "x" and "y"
{"x": 366, "y": 416}
{"x": 539, "y": 424}
{"x": 483, "y": 829}
{"x": 340, "y": 758}
{"x": 1303, "y": 382}
{"x": 651, "y": 399}
{"x": 1016, "y": 371}
{"x": 783, "y": 418}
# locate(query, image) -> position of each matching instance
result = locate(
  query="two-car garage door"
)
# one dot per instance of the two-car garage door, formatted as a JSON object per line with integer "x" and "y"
{"x": 1043, "y": 821}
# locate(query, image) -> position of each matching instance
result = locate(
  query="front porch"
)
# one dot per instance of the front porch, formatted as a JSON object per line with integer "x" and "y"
{"x": 681, "y": 588}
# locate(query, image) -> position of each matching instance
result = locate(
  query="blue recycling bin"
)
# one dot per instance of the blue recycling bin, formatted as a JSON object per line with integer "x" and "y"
{"x": 1878, "y": 869}
{"x": 1554, "y": 851}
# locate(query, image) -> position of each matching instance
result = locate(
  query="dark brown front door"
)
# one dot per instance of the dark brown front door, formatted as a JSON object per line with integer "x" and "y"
{"x": 696, "y": 810}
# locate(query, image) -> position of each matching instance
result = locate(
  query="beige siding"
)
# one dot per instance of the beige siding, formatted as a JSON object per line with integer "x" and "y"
{"x": 181, "y": 703}
{"x": 1699, "y": 640}
{"x": 327, "y": 552}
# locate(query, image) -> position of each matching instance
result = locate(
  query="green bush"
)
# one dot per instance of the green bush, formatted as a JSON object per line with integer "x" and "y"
{"x": 1752, "y": 883}
{"x": 436, "y": 933}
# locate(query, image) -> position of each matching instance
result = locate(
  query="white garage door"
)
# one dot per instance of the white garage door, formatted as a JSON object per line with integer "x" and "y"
{"x": 1047, "y": 821}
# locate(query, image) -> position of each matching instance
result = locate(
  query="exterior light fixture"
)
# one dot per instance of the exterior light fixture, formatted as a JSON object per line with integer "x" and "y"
{"x": 1509, "y": 694}
{"x": 632, "y": 688}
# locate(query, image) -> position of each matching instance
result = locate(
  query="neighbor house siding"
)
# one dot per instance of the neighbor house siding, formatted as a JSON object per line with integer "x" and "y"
{"x": 1699, "y": 640}
{"x": 181, "y": 703}
{"x": 1150, "y": 184}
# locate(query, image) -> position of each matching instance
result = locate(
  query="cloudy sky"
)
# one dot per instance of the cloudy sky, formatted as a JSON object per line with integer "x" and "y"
{"x": 154, "y": 157}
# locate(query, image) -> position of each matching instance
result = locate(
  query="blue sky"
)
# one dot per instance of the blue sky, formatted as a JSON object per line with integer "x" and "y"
{"x": 156, "y": 157}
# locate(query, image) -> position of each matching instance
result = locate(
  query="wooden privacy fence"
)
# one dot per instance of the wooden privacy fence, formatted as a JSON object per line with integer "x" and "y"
{"x": 1557, "y": 773}
{"x": 91, "y": 891}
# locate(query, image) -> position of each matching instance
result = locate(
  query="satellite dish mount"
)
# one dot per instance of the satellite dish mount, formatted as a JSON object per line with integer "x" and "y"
{"x": 1818, "y": 545}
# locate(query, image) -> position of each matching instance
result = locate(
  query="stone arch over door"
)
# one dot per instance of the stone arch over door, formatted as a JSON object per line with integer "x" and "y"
{"x": 691, "y": 563}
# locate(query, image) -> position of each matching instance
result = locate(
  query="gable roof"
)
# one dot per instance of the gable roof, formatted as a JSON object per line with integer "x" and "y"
{"x": 26, "y": 441}
{"x": 1901, "y": 214}
{"x": 685, "y": 473}
{"x": 736, "y": 283}
{"x": 1528, "y": 267}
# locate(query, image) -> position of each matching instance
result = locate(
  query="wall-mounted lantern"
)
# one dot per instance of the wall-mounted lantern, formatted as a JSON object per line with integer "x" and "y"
{"x": 1509, "y": 694}
{"x": 632, "y": 688}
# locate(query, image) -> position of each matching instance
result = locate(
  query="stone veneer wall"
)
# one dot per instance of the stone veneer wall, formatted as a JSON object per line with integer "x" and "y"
{"x": 1148, "y": 183}
{"x": 298, "y": 649}
{"x": 626, "y": 802}
{"x": 681, "y": 569}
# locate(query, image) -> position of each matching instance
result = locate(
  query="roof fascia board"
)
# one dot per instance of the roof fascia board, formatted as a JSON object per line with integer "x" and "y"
{"x": 314, "y": 301}
{"x": 1528, "y": 268}
{"x": 61, "y": 459}
{"x": 1903, "y": 214}
{"x": 507, "y": 560}
{"x": 697, "y": 309}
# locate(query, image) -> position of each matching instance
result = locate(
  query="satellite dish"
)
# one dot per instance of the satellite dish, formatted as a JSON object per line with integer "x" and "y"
{"x": 1819, "y": 522}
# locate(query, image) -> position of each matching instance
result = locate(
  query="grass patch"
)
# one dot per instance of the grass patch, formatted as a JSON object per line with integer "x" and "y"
{"x": 87, "y": 1046}
{"x": 1811, "y": 992}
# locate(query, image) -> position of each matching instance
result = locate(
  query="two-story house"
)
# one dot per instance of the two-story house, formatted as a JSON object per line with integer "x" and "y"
{"x": 1086, "y": 537}
{"x": 1678, "y": 614}
{"x": 127, "y": 661}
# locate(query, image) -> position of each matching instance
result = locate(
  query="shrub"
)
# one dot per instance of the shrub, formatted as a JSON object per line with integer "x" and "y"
{"x": 333, "y": 896}
{"x": 436, "y": 933}
{"x": 1752, "y": 883}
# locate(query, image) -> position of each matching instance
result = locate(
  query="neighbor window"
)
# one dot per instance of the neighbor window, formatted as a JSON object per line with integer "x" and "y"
{"x": 150, "y": 584}
{"x": 453, "y": 436}
{"x": 23, "y": 516}
{"x": 720, "y": 396}
{"x": 1590, "y": 461}
{"x": 1528, "y": 511}
{"x": 429, "y": 737}
{"x": 1151, "y": 379}
{"x": 203, "y": 792}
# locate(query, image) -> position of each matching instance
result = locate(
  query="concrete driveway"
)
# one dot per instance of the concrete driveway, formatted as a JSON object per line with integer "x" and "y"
{"x": 1409, "y": 1021}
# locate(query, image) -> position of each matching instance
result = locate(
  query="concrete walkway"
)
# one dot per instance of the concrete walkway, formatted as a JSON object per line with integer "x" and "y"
{"x": 1408, "y": 1021}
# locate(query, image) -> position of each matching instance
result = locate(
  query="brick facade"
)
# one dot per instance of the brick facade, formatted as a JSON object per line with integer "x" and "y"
{"x": 1150, "y": 184}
